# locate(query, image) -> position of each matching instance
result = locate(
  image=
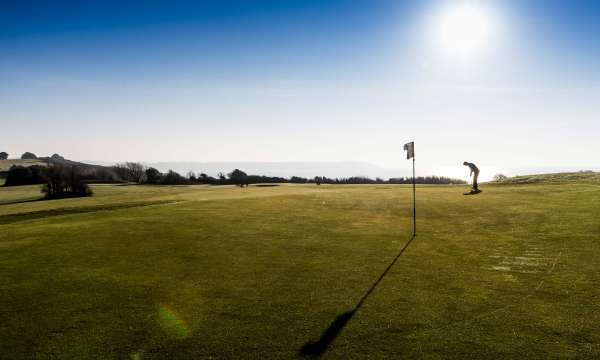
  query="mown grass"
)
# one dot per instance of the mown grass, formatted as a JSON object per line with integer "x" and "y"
{"x": 199, "y": 272}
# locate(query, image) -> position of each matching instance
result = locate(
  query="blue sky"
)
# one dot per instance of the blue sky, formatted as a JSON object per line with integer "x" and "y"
{"x": 302, "y": 81}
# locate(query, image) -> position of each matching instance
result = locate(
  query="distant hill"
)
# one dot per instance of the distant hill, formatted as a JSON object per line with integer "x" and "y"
{"x": 566, "y": 177}
{"x": 90, "y": 170}
{"x": 6, "y": 164}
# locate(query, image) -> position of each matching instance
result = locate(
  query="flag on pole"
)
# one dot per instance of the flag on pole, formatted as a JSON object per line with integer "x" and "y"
{"x": 410, "y": 150}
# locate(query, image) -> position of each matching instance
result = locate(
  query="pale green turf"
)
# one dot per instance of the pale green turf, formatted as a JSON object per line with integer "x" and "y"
{"x": 194, "y": 272}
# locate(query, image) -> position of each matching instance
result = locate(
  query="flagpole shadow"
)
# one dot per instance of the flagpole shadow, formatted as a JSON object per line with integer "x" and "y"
{"x": 319, "y": 347}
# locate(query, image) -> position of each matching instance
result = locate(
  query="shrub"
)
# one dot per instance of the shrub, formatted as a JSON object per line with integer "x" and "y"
{"x": 21, "y": 175}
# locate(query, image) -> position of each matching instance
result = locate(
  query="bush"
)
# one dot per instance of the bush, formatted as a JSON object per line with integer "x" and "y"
{"x": 21, "y": 175}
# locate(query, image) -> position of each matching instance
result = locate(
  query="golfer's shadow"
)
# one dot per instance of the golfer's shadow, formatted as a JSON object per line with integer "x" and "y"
{"x": 317, "y": 348}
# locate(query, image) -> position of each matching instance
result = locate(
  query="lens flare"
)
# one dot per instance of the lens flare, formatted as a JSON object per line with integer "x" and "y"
{"x": 172, "y": 322}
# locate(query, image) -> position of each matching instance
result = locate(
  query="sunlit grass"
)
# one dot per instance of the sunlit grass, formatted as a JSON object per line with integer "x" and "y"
{"x": 193, "y": 272}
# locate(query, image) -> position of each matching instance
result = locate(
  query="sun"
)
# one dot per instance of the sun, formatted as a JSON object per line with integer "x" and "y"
{"x": 463, "y": 30}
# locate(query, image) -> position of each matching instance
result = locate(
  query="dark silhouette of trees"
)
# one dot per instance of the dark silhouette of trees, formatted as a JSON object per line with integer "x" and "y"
{"x": 203, "y": 179}
{"x": 26, "y": 175}
{"x": 500, "y": 178}
{"x": 28, "y": 156}
{"x": 238, "y": 177}
{"x": 153, "y": 176}
{"x": 3, "y": 155}
{"x": 65, "y": 181}
{"x": 174, "y": 178}
{"x": 57, "y": 157}
{"x": 298, "y": 180}
{"x": 131, "y": 171}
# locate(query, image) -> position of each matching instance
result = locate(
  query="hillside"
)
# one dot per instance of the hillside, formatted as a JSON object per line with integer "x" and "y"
{"x": 43, "y": 161}
{"x": 558, "y": 178}
{"x": 6, "y": 164}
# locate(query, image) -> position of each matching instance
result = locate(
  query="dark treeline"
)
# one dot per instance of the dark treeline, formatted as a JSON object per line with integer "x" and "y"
{"x": 240, "y": 178}
{"x": 26, "y": 175}
{"x": 132, "y": 172}
{"x": 59, "y": 181}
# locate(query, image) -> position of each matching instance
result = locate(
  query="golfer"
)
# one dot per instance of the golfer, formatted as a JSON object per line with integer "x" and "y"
{"x": 474, "y": 173}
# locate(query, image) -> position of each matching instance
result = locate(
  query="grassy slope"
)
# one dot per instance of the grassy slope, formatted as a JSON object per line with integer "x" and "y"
{"x": 6, "y": 164}
{"x": 574, "y": 177}
{"x": 154, "y": 272}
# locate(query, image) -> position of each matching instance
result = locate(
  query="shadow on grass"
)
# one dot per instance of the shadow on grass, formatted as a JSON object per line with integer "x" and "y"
{"x": 318, "y": 348}
{"x": 34, "y": 215}
{"x": 21, "y": 201}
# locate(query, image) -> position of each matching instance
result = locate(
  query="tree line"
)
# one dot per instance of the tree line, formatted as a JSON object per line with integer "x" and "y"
{"x": 138, "y": 173}
{"x": 134, "y": 172}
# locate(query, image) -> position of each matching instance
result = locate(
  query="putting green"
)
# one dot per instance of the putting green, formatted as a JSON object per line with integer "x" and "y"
{"x": 195, "y": 272}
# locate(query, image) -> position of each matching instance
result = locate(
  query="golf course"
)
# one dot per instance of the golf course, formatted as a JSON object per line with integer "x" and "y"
{"x": 292, "y": 271}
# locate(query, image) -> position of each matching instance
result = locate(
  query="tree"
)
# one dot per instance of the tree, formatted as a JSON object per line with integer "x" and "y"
{"x": 21, "y": 175}
{"x": 131, "y": 171}
{"x": 28, "y": 156}
{"x": 238, "y": 177}
{"x": 500, "y": 177}
{"x": 203, "y": 179}
{"x": 3, "y": 155}
{"x": 173, "y": 178}
{"x": 57, "y": 157}
{"x": 298, "y": 180}
{"x": 192, "y": 177}
{"x": 153, "y": 176}
{"x": 136, "y": 172}
{"x": 65, "y": 181}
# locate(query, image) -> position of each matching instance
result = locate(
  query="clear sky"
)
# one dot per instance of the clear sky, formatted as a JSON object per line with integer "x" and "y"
{"x": 513, "y": 86}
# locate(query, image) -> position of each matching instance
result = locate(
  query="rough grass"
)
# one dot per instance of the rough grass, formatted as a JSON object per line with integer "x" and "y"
{"x": 560, "y": 178}
{"x": 199, "y": 272}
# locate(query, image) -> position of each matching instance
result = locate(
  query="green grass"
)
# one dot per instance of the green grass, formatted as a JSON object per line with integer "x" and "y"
{"x": 199, "y": 272}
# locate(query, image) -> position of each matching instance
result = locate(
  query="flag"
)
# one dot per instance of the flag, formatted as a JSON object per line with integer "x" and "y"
{"x": 410, "y": 149}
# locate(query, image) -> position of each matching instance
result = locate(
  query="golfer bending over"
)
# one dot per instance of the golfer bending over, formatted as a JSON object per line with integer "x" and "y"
{"x": 474, "y": 173}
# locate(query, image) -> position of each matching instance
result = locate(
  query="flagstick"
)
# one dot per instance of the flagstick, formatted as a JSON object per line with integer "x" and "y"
{"x": 414, "y": 201}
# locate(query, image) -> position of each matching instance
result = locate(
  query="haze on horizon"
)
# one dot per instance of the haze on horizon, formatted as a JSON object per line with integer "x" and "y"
{"x": 505, "y": 84}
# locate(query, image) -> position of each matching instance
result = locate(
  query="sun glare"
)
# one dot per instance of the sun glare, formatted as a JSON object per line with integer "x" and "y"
{"x": 463, "y": 30}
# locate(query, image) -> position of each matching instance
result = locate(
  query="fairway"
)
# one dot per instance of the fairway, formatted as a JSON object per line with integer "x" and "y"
{"x": 147, "y": 272}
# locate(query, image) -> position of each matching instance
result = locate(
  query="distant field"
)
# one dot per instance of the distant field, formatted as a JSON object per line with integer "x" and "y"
{"x": 185, "y": 272}
{"x": 6, "y": 164}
